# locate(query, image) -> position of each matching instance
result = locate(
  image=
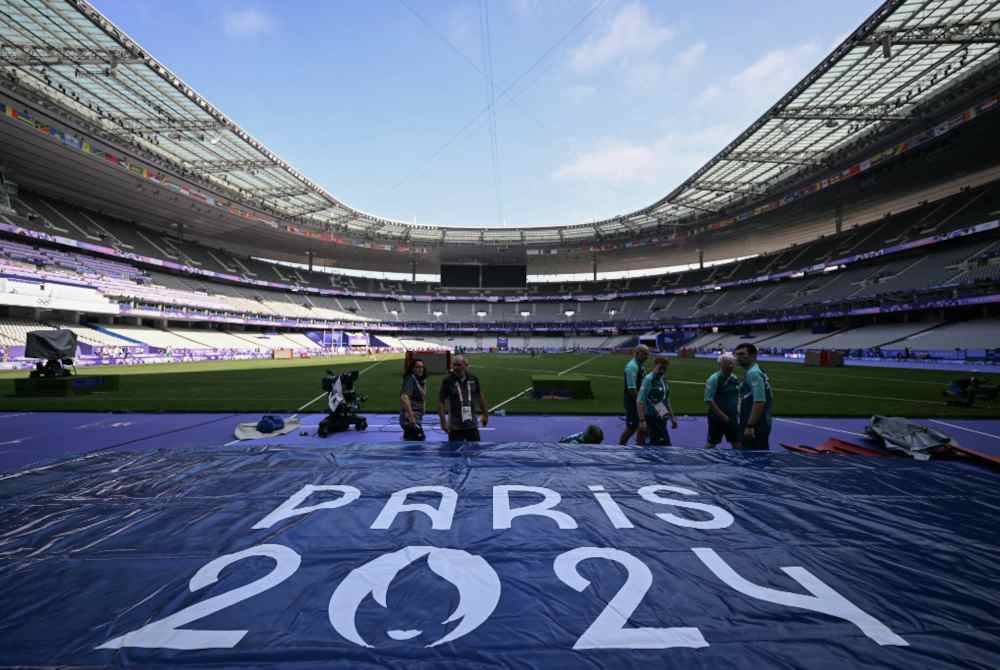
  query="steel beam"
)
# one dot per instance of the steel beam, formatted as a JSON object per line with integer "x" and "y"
{"x": 694, "y": 205}
{"x": 775, "y": 157}
{"x": 739, "y": 188}
{"x": 30, "y": 55}
{"x": 280, "y": 193}
{"x": 844, "y": 113}
{"x": 962, "y": 32}
{"x": 312, "y": 209}
{"x": 220, "y": 166}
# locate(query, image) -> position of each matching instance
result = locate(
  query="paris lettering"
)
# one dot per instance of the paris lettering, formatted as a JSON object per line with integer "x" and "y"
{"x": 478, "y": 584}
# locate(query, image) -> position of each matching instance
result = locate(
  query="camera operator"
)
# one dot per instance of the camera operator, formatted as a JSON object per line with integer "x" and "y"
{"x": 411, "y": 400}
{"x": 460, "y": 395}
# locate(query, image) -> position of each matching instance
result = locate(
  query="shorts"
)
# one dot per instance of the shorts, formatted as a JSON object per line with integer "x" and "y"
{"x": 463, "y": 434}
{"x": 631, "y": 412}
{"x": 718, "y": 430}
{"x": 656, "y": 433}
{"x": 760, "y": 439}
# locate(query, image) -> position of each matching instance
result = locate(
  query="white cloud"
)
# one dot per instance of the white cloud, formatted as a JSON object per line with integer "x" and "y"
{"x": 617, "y": 163}
{"x": 578, "y": 94}
{"x": 665, "y": 162}
{"x": 709, "y": 95}
{"x": 690, "y": 58}
{"x": 761, "y": 83}
{"x": 643, "y": 77}
{"x": 247, "y": 22}
{"x": 633, "y": 30}
{"x": 771, "y": 75}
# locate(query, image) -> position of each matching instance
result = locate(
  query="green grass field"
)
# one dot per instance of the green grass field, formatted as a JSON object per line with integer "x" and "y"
{"x": 283, "y": 386}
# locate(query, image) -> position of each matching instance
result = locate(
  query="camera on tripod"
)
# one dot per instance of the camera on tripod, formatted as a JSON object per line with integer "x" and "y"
{"x": 56, "y": 348}
{"x": 343, "y": 403}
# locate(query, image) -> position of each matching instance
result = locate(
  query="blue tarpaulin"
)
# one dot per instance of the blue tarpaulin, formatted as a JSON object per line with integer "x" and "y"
{"x": 513, "y": 555}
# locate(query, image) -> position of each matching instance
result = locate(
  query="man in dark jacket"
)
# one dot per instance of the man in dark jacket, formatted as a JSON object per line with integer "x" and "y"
{"x": 460, "y": 399}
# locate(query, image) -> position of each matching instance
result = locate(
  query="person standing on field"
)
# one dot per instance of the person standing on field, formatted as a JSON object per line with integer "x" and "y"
{"x": 756, "y": 400}
{"x": 722, "y": 397}
{"x": 653, "y": 405}
{"x": 411, "y": 400}
{"x": 634, "y": 374}
{"x": 460, "y": 399}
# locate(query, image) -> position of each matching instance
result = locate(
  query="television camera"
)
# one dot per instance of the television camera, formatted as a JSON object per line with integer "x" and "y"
{"x": 55, "y": 348}
{"x": 343, "y": 403}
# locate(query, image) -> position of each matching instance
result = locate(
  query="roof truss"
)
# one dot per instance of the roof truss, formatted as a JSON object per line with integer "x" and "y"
{"x": 901, "y": 59}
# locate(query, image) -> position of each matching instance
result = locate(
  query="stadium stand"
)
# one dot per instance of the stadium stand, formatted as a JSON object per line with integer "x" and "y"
{"x": 913, "y": 233}
{"x": 980, "y": 334}
{"x": 869, "y": 337}
{"x": 155, "y": 337}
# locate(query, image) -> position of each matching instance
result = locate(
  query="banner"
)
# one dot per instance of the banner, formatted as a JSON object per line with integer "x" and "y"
{"x": 357, "y": 339}
{"x": 518, "y": 555}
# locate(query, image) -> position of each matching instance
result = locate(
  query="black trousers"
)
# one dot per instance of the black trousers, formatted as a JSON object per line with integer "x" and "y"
{"x": 760, "y": 439}
{"x": 413, "y": 432}
{"x": 463, "y": 435}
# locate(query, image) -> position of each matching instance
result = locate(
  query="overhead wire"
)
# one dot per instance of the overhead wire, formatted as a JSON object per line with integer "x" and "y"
{"x": 505, "y": 93}
{"x": 487, "y": 48}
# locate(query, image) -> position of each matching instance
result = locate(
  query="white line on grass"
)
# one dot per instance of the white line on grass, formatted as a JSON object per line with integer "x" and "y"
{"x": 788, "y": 390}
{"x": 776, "y": 388}
{"x": 324, "y": 394}
{"x": 558, "y": 374}
{"x": 817, "y": 426}
{"x": 970, "y": 430}
{"x": 319, "y": 397}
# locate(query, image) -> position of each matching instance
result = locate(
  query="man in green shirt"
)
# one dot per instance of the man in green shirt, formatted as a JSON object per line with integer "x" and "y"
{"x": 722, "y": 396}
{"x": 634, "y": 374}
{"x": 756, "y": 400}
{"x": 654, "y": 406}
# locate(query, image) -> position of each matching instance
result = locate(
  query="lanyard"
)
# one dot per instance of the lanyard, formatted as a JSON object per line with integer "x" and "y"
{"x": 468, "y": 389}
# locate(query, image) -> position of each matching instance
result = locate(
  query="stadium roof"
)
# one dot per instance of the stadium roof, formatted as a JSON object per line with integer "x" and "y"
{"x": 904, "y": 55}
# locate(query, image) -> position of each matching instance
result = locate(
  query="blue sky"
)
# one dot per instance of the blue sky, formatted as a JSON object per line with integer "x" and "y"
{"x": 597, "y": 114}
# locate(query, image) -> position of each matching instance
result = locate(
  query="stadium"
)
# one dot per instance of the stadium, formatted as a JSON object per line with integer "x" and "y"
{"x": 192, "y": 474}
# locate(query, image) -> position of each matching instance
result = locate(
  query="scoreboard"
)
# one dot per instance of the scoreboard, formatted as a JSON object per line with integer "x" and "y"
{"x": 484, "y": 276}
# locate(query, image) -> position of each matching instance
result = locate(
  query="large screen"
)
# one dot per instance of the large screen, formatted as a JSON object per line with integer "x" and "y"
{"x": 484, "y": 276}
{"x": 505, "y": 276}
{"x": 461, "y": 276}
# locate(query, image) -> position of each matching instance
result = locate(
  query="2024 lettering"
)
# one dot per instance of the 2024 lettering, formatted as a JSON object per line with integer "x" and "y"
{"x": 478, "y": 584}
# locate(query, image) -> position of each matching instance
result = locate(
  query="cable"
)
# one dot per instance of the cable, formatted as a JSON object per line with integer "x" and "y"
{"x": 504, "y": 93}
{"x": 487, "y": 47}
